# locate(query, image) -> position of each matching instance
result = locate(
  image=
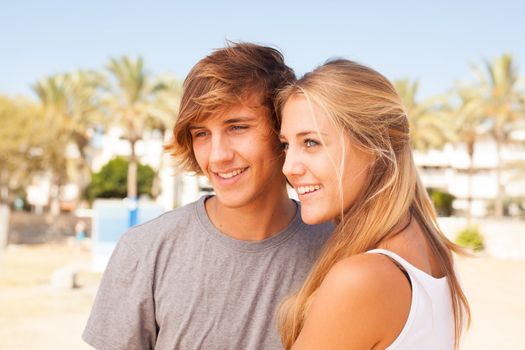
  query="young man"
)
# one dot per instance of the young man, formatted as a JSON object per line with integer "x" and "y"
{"x": 210, "y": 275}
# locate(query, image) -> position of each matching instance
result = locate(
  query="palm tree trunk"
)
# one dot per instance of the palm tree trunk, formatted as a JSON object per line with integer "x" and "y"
{"x": 501, "y": 189}
{"x": 82, "y": 166}
{"x": 5, "y": 211}
{"x": 4, "y": 184}
{"x": 81, "y": 182}
{"x": 156, "y": 186}
{"x": 470, "y": 151}
{"x": 132, "y": 185}
{"x": 55, "y": 195}
{"x": 132, "y": 172}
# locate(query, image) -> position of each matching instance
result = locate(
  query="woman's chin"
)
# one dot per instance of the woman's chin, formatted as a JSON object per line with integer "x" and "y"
{"x": 314, "y": 218}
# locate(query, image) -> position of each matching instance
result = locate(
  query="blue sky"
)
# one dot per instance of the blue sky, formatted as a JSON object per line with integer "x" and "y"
{"x": 433, "y": 41}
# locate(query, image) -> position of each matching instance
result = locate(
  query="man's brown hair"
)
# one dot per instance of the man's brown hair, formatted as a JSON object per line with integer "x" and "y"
{"x": 227, "y": 77}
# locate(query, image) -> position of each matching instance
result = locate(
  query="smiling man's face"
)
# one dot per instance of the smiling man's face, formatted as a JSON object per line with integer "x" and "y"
{"x": 240, "y": 155}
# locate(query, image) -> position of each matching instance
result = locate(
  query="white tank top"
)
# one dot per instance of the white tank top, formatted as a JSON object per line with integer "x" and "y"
{"x": 430, "y": 323}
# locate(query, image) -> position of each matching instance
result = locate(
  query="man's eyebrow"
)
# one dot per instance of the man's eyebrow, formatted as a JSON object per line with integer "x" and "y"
{"x": 193, "y": 127}
{"x": 239, "y": 120}
{"x": 227, "y": 121}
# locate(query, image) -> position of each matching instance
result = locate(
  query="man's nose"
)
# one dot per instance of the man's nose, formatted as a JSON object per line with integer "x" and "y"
{"x": 221, "y": 149}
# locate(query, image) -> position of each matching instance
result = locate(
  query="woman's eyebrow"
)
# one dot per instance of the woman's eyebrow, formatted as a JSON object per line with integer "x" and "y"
{"x": 308, "y": 132}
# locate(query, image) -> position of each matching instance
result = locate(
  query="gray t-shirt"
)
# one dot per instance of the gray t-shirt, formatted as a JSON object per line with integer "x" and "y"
{"x": 177, "y": 282}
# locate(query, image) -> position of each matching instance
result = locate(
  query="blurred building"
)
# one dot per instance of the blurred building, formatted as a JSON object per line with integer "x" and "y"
{"x": 448, "y": 170}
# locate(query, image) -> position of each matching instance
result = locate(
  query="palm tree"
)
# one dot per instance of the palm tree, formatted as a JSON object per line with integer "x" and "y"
{"x": 53, "y": 100}
{"x": 10, "y": 136}
{"x": 501, "y": 103}
{"x": 85, "y": 104}
{"x": 428, "y": 122}
{"x": 20, "y": 127}
{"x": 17, "y": 131}
{"x": 131, "y": 104}
{"x": 469, "y": 124}
{"x": 165, "y": 109}
{"x": 83, "y": 88}
{"x": 71, "y": 107}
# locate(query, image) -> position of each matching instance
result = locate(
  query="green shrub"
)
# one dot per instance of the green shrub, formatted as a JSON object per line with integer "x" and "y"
{"x": 470, "y": 237}
{"x": 442, "y": 201}
{"x": 111, "y": 181}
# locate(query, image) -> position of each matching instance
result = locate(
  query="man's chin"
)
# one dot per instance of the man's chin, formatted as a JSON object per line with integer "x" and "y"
{"x": 232, "y": 201}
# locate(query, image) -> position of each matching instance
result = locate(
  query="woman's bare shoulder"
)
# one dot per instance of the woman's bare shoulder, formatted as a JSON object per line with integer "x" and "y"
{"x": 363, "y": 300}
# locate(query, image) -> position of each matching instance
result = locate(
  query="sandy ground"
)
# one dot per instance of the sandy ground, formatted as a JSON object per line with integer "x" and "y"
{"x": 34, "y": 315}
{"x": 496, "y": 292}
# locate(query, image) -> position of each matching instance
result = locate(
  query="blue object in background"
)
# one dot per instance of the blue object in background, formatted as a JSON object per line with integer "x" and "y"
{"x": 111, "y": 218}
{"x": 133, "y": 208}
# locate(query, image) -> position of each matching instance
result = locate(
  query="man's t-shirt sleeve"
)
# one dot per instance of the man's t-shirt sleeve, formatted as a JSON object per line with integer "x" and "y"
{"x": 123, "y": 315}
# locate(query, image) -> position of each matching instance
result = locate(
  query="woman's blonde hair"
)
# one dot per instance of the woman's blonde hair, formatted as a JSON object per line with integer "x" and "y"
{"x": 365, "y": 105}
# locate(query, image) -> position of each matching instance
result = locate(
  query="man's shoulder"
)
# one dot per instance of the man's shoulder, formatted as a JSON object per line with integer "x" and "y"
{"x": 323, "y": 228}
{"x": 313, "y": 236}
{"x": 168, "y": 225}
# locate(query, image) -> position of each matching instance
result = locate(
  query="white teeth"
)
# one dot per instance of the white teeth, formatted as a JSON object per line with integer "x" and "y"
{"x": 308, "y": 189}
{"x": 231, "y": 173}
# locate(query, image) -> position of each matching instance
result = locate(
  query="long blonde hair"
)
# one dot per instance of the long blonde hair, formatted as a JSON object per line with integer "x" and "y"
{"x": 366, "y": 106}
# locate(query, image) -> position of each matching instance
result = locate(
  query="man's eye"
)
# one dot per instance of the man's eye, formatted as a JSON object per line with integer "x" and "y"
{"x": 238, "y": 127}
{"x": 199, "y": 134}
{"x": 310, "y": 143}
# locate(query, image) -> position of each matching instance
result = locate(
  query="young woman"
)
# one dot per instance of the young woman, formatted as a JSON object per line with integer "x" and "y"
{"x": 386, "y": 278}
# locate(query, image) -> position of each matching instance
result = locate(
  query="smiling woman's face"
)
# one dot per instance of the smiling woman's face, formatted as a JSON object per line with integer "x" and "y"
{"x": 321, "y": 162}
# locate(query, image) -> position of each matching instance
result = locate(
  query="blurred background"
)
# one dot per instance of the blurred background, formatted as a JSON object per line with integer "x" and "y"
{"x": 89, "y": 93}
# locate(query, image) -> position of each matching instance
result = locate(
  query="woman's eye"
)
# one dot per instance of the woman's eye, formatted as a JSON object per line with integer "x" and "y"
{"x": 310, "y": 143}
{"x": 284, "y": 146}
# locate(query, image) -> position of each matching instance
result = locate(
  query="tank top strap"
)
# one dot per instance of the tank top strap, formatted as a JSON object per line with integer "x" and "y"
{"x": 430, "y": 321}
{"x": 399, "y": 260}
{"x": 396, "y": 259}
{"x": 411, "y": 269}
